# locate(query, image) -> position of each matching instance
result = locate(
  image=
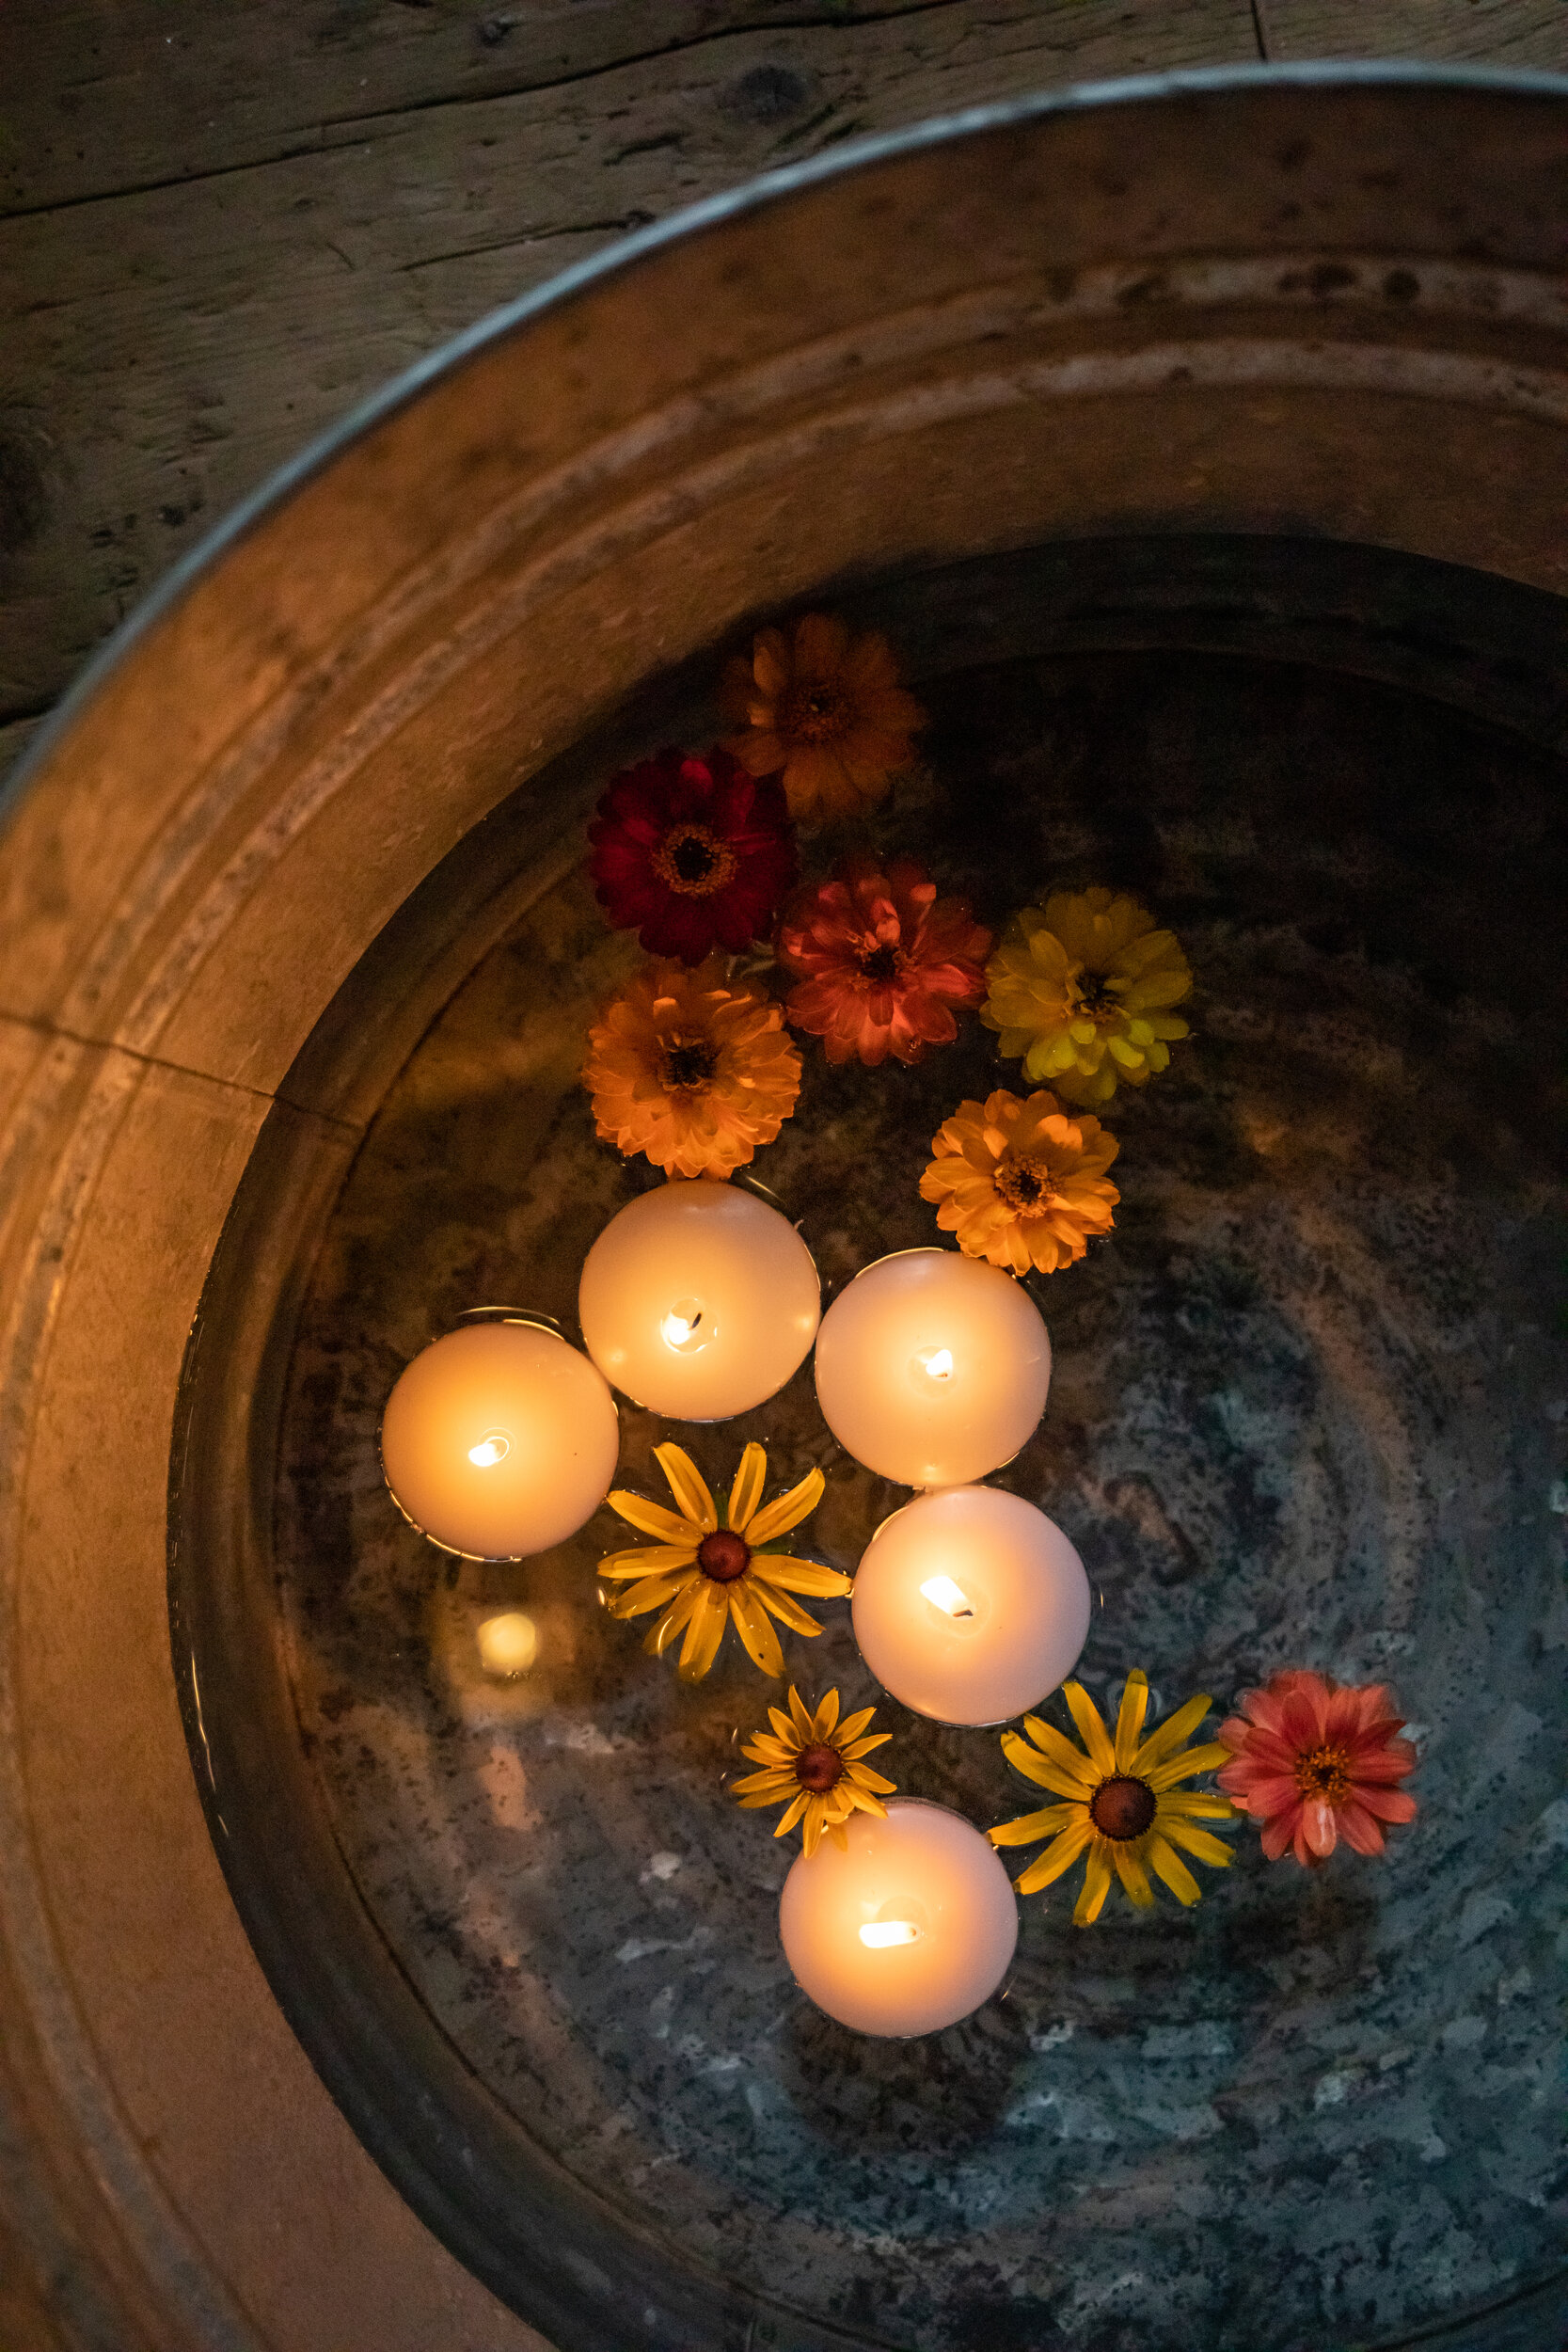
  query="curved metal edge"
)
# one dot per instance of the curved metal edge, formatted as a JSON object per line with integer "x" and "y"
{"x": 730, "y": 204}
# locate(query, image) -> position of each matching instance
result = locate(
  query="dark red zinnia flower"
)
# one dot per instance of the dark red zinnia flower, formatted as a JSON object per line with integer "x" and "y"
{"x": 692, "y": 854}
{"x": 881, "y": 960}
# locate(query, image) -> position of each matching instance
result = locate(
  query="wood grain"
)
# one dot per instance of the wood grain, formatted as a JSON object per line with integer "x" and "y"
{"x": 1523, "y": 32}
{"x": 221, "y": 238}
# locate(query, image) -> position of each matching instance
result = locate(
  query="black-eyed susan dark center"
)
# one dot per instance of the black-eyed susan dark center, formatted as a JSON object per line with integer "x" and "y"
{"x": 723, "y": 1556}
{"x": 1121, "y": 1807}
{"x": 819, "y": 1768}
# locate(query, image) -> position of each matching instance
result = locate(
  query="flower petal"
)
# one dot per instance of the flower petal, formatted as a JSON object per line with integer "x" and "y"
{"x": 1044, "y": 1770}
{"x": 1182, "y": 1767}
{"x": 687, "y": 1485}
{"x": 1029, "y": 1827}
{"x": 1130, "y": 1719}
{"x": 1169, "y": 1734}
{"x": 1091, "y": 1728}
{"x": 800, "y": 1576}
{"x": 756, "y": 1629}
{"x": 787, "y": 1612}
{"x": 1195, "y": 1841}
{"x": 703, "y": 1633}
{"x": 786, "y": 1511}
{"x": 1062, "y": 1752}
{"x": 746, "y": 1491}
{"x": 651, "y": 1591}
{"x": 1097, "y": 1885}
{"x": 1167, "y": 1863}
{"x": 1134, "y": 1878}
{"x": 1059, "y": 1856}
{"x": 652, "y": 1519}
{"x": 648, "y": 1559}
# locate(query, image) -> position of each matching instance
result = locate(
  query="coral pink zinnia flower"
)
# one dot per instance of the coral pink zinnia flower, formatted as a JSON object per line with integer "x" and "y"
{"x": 692, "y": 854}
{"x": 881, "y": 960}
{"x": 1311, "y": 1758}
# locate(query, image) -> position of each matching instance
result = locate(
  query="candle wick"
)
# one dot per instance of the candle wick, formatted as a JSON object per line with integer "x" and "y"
{"x": 948, "y": 1596}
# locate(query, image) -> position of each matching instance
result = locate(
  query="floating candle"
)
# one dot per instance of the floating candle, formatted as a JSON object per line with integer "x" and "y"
{"x": 500, "y": 1440}
{"x": 932, "y": 1368}
{"x": 698, "y": 1300}
{"x": 970, "y": 1605}
{"x": 907, "y": 1927}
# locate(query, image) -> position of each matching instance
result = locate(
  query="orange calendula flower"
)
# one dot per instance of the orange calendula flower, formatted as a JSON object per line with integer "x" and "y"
{"x": 691, "y": 1069}
{"x": 1021, "y": 1183}
{"x": 1083, "y": 990}
{"x": 709, "y": 1569}
{"x": 813, "y": 1762}
{"x": 826, "y": 711}
{"x": 1123, "y": 1805}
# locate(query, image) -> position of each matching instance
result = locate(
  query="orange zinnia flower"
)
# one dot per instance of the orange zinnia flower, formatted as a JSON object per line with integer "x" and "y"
{"x": 825, "y": 710}
{"x": 1020, "y": 1184}
{"x": 691, "y": 1070}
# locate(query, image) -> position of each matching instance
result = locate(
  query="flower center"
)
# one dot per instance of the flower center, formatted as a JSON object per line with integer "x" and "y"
{"x": 1122, "y": 1807}
{"x": 814, "y": 714}
{"x": 723, "y": 1556}
{"x": 690, "y": 861}
{"x": 1026, "y": 1185}
{"x": 883, "y": 964}
{"x": 1323, "y": 1772}
{"x": 819, "y": 1769}
{"x": 1094, "y": 995}
{"x": 688, "y": 1063}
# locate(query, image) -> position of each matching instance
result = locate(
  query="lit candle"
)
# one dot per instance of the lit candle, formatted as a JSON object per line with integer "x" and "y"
{"x": 932, "y": 1368}
{"x": 500, "y": 1440}
{"x": 905, "y": 1929}
{"x": 970, "y": 1605}
{"x": 698, "y": 1300}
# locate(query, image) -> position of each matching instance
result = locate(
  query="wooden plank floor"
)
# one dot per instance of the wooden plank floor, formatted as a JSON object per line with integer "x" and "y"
{"x": 222, "y": 222}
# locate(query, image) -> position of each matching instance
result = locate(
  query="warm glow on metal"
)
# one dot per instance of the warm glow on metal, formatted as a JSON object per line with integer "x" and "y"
{"x": 508, "y": 1645}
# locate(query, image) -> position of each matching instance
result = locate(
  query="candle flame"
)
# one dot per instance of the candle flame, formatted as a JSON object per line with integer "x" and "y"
{"x": 879, "y": 1934}
{"x": 939, "y": 1363}
{"x": 489, "y": 1451}
{"x": 684, "y": 1327}
{"x": 948, "y": 1596}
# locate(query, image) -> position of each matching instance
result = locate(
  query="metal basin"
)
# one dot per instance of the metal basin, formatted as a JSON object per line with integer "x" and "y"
{"x": 1202, "y": 445}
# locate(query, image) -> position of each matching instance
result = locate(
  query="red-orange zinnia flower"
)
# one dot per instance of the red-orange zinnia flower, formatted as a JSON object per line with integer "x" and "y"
{"x": 881, "y": 960}
{"x": 1313, "y": 1759}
